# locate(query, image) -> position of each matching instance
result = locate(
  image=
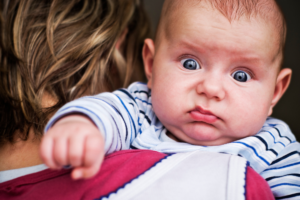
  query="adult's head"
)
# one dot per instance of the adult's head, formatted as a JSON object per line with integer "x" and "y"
{"x": 52, "y": 52}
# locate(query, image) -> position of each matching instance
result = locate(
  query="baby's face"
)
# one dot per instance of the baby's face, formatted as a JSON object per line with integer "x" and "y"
{"x": 213, "y": 81}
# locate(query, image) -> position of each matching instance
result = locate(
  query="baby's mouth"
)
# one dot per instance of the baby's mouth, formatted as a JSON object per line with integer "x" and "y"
{"x": 201, "y": 115}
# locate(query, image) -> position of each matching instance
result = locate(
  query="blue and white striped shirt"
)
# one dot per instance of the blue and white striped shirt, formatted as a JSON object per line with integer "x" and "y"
{"x": 127, "y": 120}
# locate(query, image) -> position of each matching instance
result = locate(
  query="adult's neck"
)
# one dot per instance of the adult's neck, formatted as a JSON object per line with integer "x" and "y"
{"x": 20, "y": 153}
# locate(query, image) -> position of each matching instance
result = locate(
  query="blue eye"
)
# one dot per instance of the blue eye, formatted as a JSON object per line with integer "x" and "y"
{"x": 241, "y": 76}
{"x": 190, "y": 64}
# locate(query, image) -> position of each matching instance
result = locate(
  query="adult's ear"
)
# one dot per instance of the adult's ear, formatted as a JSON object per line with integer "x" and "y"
{"x": 148, "y": 56}
{"x": 282, "y": 83}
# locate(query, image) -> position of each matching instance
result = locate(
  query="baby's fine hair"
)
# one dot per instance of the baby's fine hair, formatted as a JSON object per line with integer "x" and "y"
{"x": 234, "y": 10}
{"x": 61, "y": 50}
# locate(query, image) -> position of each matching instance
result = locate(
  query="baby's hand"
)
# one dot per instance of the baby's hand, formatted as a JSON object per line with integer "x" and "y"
{"x": 74, "y": 140}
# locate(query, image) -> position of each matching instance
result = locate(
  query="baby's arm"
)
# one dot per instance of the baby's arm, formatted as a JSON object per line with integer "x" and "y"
{"x": 74, "y": 140}
{"x": 111, "y": 124}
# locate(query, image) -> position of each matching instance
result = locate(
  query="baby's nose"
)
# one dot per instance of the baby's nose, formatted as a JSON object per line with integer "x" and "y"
{"x": 212, "y": 87}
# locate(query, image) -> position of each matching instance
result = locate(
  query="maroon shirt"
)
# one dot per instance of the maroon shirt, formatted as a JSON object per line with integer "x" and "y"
{"x": 117, "y": 169}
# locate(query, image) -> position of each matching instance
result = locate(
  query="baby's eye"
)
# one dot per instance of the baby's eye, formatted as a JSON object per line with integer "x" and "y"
{"x": 190, "y": 64}
{"x": 241, "y": 76}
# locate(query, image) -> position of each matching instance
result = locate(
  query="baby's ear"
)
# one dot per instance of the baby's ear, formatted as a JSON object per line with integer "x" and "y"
{"x": 148, "y": 56}
{"x": 282, "y": 83}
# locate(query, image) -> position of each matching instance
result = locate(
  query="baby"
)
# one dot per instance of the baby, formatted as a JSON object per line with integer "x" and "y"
{"x": 214, "y": 75}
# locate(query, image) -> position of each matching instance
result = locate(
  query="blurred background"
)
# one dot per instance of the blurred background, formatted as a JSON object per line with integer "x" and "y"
{"x": 288, "y": 108}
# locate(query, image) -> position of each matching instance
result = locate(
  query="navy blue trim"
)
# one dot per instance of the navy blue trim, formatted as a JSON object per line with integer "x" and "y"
{"x": 280, "y": 184}
{"x": 126, "y": 135}
{"x": 133, "y": 147}
{"x": 141, "y": 91}
{"x": 254, "y": 150}
{"x": 266, "y": 145}
{"x": 284, "y": 157}
{"x": 274, "y": 177}
{"x": 273, "y": 137}
{"x": 132, "y": 121}
{"x": 127, "y": 93}
{"x": 126, "y": 128}
{"x": 144, "y": 101}
{"x": 245, "y": 179}
{"x": 122, "y": 187}
{"x": 272, "y": 125}
{"x": 289, "y": 196}
{"x": 282, "y": 167}
{"x": 146, "y": 117}
{"x": 281, "y": 135}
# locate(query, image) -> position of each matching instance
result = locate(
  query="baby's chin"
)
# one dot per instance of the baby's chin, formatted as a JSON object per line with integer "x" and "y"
{"x": 208, "y": 136}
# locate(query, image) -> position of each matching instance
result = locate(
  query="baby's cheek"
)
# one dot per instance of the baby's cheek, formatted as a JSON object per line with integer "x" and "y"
{"x": 163, "y": 114}
{"x": 159, "y": 107}
{"x": 247, "y": 124}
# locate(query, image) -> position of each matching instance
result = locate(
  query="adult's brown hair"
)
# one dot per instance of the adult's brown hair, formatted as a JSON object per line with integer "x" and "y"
{"x": 61, "y": 50}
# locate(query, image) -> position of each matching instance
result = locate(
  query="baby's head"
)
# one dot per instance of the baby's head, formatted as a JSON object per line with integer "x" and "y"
{"x": 214, "y": 69}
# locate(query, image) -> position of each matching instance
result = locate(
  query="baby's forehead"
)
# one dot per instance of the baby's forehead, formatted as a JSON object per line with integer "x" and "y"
{"x": 265, "y": 11}
{"x": 233, "y": 10}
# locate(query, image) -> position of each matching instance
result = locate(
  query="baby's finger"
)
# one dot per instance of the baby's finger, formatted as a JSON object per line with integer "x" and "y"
{"x": 93, "y": 149}
{"x": 76, "y": 150}
{"x": 60, "y": 151}
{"x": 46, "y": 152}
{"x": 93, "y": 157}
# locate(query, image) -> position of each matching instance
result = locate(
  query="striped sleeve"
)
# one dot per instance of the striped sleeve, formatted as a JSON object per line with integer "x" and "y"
{"x": 283, "y": 173}
{"x": 117, "y": 115}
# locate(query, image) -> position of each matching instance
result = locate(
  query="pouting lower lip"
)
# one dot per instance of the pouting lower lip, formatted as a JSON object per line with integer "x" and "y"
{"x": 202, "y": 115}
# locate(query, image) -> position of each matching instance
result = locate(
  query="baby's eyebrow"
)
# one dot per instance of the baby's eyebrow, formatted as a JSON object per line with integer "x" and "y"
{"x": 202, "y": 48}
{"x": 219, "y": 28}
{"x": 253, "y": 60}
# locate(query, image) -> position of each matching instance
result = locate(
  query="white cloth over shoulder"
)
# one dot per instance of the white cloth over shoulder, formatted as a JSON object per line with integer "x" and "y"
{"x": 197, "y": 174}
{"x": 126, "y": 119}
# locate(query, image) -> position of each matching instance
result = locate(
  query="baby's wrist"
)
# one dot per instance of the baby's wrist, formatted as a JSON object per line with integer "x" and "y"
{"x": 74, "y": 118}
